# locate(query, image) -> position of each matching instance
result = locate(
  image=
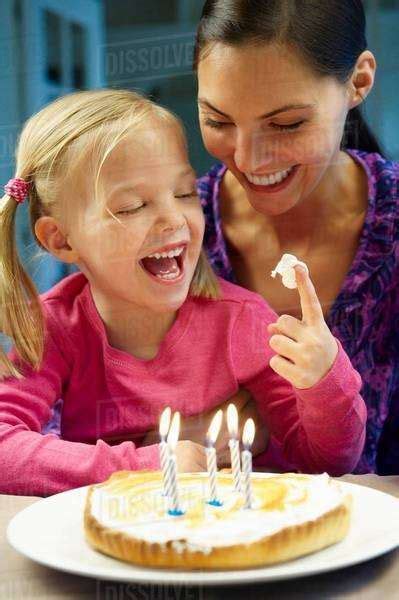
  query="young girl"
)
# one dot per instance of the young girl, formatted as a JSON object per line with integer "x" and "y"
{"x": 145, "y": 323}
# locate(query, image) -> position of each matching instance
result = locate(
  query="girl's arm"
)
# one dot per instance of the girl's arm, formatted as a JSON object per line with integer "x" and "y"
{"x": 36, "y": 464}
{"x": 320, "y": 424}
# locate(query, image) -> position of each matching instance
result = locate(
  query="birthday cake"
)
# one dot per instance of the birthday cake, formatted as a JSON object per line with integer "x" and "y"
{"x": 291, "y": 515}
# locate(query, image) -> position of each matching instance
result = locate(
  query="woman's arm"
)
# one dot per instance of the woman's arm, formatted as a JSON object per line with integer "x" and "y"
{"x": 307, "y": 393}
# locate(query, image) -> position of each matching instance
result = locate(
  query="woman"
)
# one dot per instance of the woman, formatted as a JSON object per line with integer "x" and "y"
{"x": 279, "y": 86}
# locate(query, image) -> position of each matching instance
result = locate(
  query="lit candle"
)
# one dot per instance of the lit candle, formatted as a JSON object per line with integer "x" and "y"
{"x": 163, "y": 446}
{"x": 246, "y": 458}
{"x": 211, "y": 438}
{"x": 171, "y": 471}
{"x": 234, "y": 444}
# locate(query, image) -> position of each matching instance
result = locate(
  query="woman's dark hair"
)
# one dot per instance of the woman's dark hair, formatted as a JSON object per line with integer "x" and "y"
{"x": 330, "y": 35}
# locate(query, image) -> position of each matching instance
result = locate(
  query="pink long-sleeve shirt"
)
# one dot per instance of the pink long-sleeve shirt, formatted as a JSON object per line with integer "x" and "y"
{"x": 111, "y": 398}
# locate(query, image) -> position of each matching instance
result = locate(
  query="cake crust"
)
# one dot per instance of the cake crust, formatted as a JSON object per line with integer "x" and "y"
{"x": 286, "y": 544}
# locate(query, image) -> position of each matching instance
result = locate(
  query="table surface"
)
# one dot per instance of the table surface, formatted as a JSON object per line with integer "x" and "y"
{"x": 22, "y": 578}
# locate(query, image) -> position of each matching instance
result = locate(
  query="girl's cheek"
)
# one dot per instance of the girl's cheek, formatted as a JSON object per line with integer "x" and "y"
{"x": 196, "y": 226}
{"x": 196, "y": 220}
{"x": 117, "y": 243}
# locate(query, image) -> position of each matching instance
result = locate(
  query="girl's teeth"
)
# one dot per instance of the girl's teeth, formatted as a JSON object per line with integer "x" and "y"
{"x": 269, "y": 179}
{"x": 171, "y": 254}
{"x": 169, "y": 275}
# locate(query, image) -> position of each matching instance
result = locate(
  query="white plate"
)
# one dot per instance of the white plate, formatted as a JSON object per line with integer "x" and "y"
{"x": 50, "y": 532}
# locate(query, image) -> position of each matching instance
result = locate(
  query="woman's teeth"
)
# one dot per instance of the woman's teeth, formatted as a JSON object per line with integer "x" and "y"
{"x": 269, "y": 179}
{"x": 171, "y": 254}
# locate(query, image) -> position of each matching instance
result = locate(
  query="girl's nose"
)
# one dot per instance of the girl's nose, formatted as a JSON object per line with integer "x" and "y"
{"x": 171, "y": 219}
{"x": 252, "y": 152}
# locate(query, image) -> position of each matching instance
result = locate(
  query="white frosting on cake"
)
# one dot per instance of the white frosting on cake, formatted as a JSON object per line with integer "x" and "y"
{"x": 143, "y": 514}
{"x": 285, "y": 268}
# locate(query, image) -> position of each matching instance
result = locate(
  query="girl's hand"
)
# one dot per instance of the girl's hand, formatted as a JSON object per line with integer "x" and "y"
{"x": 306, "y": 350}
{"x": 190, "y": 457}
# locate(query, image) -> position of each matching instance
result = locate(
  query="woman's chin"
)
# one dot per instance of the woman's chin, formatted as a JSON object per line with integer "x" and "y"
{"x": 270, "y": 207}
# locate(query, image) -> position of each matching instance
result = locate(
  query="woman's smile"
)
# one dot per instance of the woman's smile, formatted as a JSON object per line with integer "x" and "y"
{"x": 271, "y": 184}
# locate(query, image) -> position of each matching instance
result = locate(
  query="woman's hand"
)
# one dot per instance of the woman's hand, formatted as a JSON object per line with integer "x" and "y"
{"x": 195, "y": 428}
{"x": 247, "y": 409}
{"x": 306, "y": 350}
{"x": 190, "y": 457}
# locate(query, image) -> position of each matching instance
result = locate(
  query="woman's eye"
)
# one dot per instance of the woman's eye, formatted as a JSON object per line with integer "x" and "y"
{"x": 291, "y": 127}
{"x": 215, "y": 124}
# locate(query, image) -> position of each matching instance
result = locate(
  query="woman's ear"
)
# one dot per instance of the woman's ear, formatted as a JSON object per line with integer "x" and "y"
{"x": 50, "y": 235}
{"x": 362, "y": 79}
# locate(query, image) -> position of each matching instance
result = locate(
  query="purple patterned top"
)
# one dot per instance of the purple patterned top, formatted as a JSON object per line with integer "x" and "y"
{"x": 365, "y": 315}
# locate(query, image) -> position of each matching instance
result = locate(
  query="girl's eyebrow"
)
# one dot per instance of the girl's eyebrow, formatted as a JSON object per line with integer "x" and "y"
{"x": 129, "y": 187}
{"x": 287, "y": 107}
{"x": 126, "y": 187}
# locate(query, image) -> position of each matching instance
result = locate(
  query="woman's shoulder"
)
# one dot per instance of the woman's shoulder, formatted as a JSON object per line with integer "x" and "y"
{"x": 378, "y": 165}
{"x": 383, "y": 176}
{"x": 382, "y": 220}
{"x": 373, "y": 272}
{"x": 208, "y": 183}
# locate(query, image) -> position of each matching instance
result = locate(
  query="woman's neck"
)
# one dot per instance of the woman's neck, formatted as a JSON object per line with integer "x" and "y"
{"x": 342, "y": 192}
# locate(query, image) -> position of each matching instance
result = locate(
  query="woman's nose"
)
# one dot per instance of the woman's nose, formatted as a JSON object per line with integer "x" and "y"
{"x": 252, "y": 152}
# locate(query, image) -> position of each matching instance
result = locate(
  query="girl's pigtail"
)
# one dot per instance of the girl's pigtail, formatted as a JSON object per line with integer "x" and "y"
{"x": 204, "y": 282}
{"x": 21, "y": 316}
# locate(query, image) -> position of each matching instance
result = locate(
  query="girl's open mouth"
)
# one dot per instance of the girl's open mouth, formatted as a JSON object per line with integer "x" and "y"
{"x": 166, "y": 268}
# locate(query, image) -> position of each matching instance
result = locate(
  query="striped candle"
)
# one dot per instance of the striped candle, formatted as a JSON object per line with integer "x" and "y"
{"x": 163, "y": 446}
{"x": 234, "y": 445}
{"x": 212, "y": 470}
{"x": 246, "y": 458}
{"x": 171, "y": 471}
{"x": 211, "y": 438}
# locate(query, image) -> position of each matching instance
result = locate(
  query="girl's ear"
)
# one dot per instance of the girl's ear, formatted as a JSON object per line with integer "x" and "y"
{"x": 362, "y": 80}
{"x": 50, "y": 235}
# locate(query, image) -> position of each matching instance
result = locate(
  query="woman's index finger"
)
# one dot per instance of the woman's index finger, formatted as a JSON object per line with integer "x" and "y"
{"x": 310, "y": 303}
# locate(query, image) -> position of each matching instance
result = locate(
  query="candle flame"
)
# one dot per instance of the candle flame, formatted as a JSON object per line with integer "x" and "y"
{"x": 214, "y": 427}
{"x": 232, "y": 420}
{"x": 164, "y": 422}
{"x": 173, "y": 434}
{"x": 248, "y": 433}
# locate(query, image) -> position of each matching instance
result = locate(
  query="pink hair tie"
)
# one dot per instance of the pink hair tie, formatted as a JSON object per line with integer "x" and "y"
{"x": 17, "y": 188}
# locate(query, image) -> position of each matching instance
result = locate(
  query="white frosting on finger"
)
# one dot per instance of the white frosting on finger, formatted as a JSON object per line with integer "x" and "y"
{"x": 285, "y": 268}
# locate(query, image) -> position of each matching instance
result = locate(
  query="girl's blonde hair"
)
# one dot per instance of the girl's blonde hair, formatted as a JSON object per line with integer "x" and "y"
{"x": 52, "y": 143}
